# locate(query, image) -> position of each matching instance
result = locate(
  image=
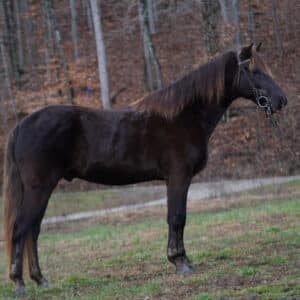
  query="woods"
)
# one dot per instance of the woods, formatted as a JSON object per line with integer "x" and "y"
{"x": 109, "y": 53}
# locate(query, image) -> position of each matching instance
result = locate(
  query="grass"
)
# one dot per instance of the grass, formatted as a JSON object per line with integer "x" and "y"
{"x": 243, "y": 251}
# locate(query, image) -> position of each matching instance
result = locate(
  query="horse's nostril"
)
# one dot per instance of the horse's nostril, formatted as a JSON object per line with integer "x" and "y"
{"x": 283, "y": 102}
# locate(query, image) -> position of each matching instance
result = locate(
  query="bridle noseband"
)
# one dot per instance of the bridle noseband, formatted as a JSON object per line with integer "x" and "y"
{"x": 261, "y": 99}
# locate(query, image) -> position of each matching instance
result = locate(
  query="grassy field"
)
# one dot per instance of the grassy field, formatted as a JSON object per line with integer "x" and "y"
{"x": 245, "y": 247}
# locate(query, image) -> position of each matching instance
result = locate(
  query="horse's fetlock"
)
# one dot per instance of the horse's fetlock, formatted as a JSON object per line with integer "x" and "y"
{"x": 174, "y": 253}
{"x": 14, "y": 276}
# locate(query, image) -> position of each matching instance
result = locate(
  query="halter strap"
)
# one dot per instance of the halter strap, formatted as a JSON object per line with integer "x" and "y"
{"x": 261, "y": 99}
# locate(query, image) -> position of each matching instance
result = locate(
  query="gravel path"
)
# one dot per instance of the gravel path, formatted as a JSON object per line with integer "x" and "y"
{"x": 197, "y": 191}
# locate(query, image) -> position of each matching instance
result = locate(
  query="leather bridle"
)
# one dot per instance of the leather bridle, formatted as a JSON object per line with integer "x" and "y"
{"x": 262, "y": 100}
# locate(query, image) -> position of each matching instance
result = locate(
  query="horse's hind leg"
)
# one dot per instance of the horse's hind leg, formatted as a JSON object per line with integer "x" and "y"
{"x": 25, "y": 234}
{"x": 16, "y": 265}
{"x": 33, "y": 259}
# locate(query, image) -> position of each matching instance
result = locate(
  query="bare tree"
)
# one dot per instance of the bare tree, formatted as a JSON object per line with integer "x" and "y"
{"x": 74, "y": 28}
{"x": 211, "y": 13}
{"x": 230, "y": 14}
{"x": 102, "y": 68}
{"x": 235, "y": 9}
{"x": 87, "y": 14}
{"x": 19, "y": 33}
{"x": 276, "y": 28}
{"x": 7, "y": 14}
{"x": 151, "y": 16}
{"x": 7, "y": 78}
{"x": 152, "y": 66}
{"x": 3, "y": 111}
{"x": 62, "y": 60}
{"x": 251, "y": 20}
{"x": 54, "y": 49}
{"x": 31, "y": 52}
{"x": 224, "y": 10}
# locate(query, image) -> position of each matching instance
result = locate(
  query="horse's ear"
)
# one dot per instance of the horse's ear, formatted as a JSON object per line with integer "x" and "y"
{"x": 246, "y": 52}
{"x": 257, "y": 48}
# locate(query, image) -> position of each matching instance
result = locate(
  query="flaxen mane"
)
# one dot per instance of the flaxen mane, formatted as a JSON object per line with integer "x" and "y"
{"x": 206, "y": 83}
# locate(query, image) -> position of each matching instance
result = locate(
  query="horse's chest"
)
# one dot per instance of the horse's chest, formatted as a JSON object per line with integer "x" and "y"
{"x": 200, "y": 159}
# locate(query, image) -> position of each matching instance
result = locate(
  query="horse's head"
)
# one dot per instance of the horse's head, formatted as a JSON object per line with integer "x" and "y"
{"x": 255, "y": 81}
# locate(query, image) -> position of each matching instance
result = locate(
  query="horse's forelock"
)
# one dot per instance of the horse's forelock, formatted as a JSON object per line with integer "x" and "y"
{"x": 257, "y": 62}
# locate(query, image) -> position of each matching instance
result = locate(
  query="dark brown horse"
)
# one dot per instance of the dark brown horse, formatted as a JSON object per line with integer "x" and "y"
{"x": 164, "y": 136}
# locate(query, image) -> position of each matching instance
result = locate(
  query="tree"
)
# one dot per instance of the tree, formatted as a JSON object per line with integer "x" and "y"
{"x": 276, "y": 28}
{"x": 100, "y": 46}
{"x": 230, "y": 13}
{"x": 7, "y": 15}
{"x": 224, "y": 10}
{"x": 19, "y": 33}
{"x": 251, "y": 21}
{"x": 74, "y": 28}
{"x": 235, "y": 9}
{"x": 151, "y": 16}
{"x": 210, "y": 13}
{"x": 54, "y": 48}
{"x": 31, "y": 49}
{"x": 152, "y": 67}
{"x": 7, "y": 78}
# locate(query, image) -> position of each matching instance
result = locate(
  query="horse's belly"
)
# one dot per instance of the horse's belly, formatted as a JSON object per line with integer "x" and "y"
{"x": 118, "y": 175}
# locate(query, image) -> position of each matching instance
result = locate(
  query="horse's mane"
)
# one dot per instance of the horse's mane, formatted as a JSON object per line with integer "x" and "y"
{"x": 206, "y": 83}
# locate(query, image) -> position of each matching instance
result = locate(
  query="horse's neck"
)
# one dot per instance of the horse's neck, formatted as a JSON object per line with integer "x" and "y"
{"x": 211, "y": 114}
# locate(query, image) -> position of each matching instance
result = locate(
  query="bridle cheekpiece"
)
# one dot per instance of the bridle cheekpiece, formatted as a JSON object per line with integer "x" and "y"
{"x": 261, "y": 99}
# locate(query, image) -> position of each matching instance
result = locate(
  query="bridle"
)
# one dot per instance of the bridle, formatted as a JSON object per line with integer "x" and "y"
{"x": 262, "y": 100}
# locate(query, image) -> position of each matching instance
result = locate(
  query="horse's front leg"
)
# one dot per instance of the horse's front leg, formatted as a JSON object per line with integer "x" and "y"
{"x": 177, "y": 196}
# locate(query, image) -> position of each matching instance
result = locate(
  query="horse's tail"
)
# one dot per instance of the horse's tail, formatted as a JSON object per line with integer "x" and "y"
{"x": 12, "y": 191}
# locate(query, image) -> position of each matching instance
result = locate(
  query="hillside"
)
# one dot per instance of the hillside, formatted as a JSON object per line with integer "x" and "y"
{"x": 244, "y": 146}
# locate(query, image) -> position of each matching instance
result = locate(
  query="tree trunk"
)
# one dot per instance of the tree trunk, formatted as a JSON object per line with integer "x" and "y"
{"x": 151, "y": 17}
{"x": 152, "y": 66}
{"x": 62, "y": 60}
{"x": 49, "y": 41}
{"x": 276, "y": 29}
{"x": 19, "y": 33}
{"x": 224, "y": 10}
{"x": 211, "y": 14}
{"x": 251, "y": 21}
{"x": 31, "y": 53}
{"x": 9, "y": 25}
{"x": 235, "y": 8}
{"x": 102, "y": 68}
{"x": 74, "y": 28}
{"x": 7, "y": 78}
{"x": 89, "y": 17}
{"x": 3, "y": 111}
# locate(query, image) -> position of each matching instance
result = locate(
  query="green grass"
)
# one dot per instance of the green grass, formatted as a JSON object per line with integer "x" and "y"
{"x": 242, "y": 251}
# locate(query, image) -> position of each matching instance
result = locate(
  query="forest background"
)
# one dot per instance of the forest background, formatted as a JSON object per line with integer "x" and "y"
{"x": 110, "y": 53}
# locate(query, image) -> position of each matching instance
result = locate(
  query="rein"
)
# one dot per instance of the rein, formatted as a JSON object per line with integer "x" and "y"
{"x": 262, "y": 101}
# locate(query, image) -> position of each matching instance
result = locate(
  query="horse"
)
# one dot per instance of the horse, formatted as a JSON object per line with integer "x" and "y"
{"x": 163, "y": 136}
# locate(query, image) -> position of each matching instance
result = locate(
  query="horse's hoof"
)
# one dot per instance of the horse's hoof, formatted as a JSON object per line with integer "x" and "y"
{"x": 44, "y": 284}
{"x": 21, "y": 291}
{"x": 185, "y": 269}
